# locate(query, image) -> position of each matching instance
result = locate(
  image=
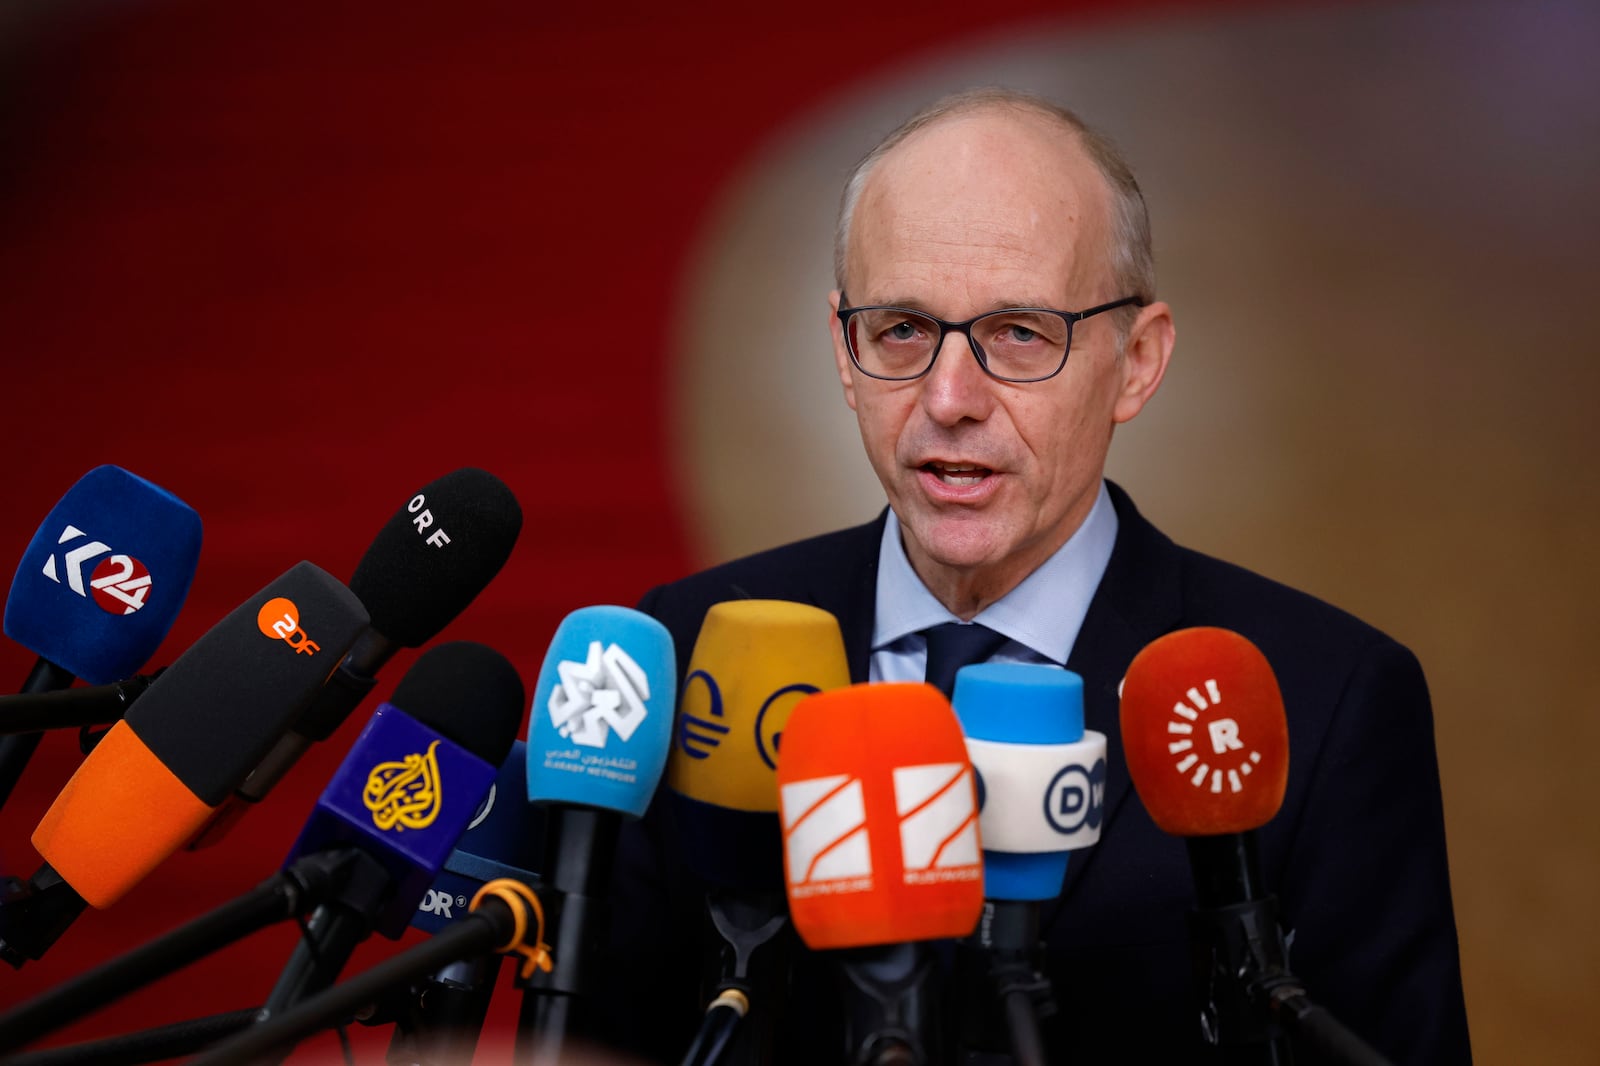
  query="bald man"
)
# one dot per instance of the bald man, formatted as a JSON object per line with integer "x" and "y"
{"x": 995, "y": 320}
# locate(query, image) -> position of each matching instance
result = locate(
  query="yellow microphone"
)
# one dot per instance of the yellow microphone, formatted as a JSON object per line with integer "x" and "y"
{"x": 752, "y": 662}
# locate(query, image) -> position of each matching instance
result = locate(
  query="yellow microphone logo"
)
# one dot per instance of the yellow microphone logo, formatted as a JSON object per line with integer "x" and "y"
{"x": 405, "y": 793}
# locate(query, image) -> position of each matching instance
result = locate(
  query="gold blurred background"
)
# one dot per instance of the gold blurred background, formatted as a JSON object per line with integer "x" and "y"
{"x": 1378, "y": 229}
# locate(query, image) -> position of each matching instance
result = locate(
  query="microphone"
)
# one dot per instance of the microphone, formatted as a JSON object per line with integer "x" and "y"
{"x": 597, "y": 743}
{"x": 1041, "y": 783}
{"x": 1207, "y": 746}
{"x": 403, "y": 796}
{"x": 158, "y": 774}
{"x": 98, "y": 588}
{"x": 70, "y": 708}
{"x": 445, "y": 1011}
{"x": 429, "y": 561}
{"x": 752, "y": 662}
{"x": 881, "y": 852}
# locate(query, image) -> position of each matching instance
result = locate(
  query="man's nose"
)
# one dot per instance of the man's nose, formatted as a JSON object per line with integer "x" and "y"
{"x": 957, "y": 387}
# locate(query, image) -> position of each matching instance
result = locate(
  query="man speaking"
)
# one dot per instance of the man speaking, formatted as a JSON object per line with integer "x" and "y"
{"x": 995, "y": 320}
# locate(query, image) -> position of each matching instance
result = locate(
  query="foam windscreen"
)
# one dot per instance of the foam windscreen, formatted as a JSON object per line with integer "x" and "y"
{"x": 753, "y": 661}
{"x": 880, "y": 818}
{"x": 1205, "y": 734}
{"x": 602, "y": 711}
{"x": 1042, "y": 776}
{"x": 105, "y": 575}
{"x": 446, "y": 542}
{"x": 467, "y": 692}
{"x": 196, "y": 733}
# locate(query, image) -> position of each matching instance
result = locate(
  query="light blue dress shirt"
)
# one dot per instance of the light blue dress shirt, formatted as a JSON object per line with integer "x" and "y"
{"x": 1040, "y": 617}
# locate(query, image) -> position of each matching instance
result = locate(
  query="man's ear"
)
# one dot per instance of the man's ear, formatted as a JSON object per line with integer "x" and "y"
{"x": 841, "y": 354}
{"x": 1144, "y": 360}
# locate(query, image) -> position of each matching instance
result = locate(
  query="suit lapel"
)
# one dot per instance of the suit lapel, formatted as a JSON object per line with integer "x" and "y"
{"x": 1137, "y": 601}
{"x": 850, "y": 593}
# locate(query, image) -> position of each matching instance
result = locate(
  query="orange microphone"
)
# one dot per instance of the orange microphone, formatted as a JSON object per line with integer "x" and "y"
{"x": 881, "y": 852}
{"x": 1207, "y": 744}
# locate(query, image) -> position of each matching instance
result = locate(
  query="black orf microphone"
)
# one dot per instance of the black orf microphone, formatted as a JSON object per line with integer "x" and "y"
{"x": 429, "y": 561}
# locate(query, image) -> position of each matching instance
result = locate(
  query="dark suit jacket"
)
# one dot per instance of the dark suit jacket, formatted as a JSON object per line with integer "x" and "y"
{"x": 1356, "y": 855}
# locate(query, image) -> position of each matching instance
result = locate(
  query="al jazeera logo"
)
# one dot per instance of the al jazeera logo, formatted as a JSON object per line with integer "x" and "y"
{"x": 405, "y": 794}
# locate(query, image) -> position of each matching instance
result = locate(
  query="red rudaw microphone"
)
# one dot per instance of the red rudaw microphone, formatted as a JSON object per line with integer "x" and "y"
{"x": 881, "y": 852}
{"x": 1207, "y": 745}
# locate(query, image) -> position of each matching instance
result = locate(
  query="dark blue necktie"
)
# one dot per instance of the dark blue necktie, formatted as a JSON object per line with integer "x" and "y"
{"x": 953, "y": 645}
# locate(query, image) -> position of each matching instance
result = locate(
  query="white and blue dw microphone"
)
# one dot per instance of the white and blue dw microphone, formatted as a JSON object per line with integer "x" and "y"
{"x": 1041, "y": 795}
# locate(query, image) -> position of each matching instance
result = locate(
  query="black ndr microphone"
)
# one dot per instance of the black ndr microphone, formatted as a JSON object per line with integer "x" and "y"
{"x": 439, "y": 550}
{"x": 403, "y": 796}
{"x": 160, "y": 773}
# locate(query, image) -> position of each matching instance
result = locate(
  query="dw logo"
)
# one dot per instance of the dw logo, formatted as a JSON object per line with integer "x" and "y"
{"x": 1076, "y": 798}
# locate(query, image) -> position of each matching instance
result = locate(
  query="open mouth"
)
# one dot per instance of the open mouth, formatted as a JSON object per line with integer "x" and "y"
{"x": 957, "y": 474}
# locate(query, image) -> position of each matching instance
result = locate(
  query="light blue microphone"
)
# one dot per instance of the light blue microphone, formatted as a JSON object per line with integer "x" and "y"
{"x": 1041, "y": 796}
{"x": 601, "y": 720}
{"x": 598, "y": 735}
{"x": 1042, "y": 777}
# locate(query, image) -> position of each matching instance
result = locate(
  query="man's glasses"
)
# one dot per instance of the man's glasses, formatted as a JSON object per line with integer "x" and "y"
{"x": 1017, "y": 344}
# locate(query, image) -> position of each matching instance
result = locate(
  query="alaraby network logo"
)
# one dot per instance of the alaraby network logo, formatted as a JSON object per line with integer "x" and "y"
{"x": 602, "y": 695}
{"x": 118, "y": 583}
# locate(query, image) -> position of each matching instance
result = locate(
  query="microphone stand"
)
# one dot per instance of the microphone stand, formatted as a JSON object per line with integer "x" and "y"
{"x": 1250, "y": 999}
{"x": 746, "y": 922}
{"x": 15, "y": 751}
{"x": 444, "y": 1014}
{"x": 146, "y": 1045}
{"x": 890, "y": 1002}
{"x": 286, "y": 894}
{"x": 1014, "y": 994}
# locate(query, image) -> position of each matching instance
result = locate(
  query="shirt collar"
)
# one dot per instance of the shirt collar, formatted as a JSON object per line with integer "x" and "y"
{"x": 1043, "y": 613}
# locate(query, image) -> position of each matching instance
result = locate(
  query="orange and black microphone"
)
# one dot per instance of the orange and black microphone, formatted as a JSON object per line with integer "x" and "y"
{"x": 160, "y": 773}
{"x": 882, "y": 854}
{"x": 1207, "y": 745}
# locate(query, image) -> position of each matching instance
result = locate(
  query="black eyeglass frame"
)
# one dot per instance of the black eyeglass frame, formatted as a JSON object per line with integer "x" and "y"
{"x": 965, "y": 328}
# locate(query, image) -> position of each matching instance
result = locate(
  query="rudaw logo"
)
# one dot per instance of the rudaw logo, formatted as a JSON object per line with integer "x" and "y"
{"x": 118, "y": 584}
{"x": 1195, "y": 752}
{"x": 825, "y": 836}
{"x": 602, "y": 695}
{"x": 938, "y": 823}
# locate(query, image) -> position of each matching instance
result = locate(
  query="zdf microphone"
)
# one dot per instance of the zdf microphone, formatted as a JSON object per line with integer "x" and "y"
{"x": 428, "y": 562}
{"x": 158, "y": 774}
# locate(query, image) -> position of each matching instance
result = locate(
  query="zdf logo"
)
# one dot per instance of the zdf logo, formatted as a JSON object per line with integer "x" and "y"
{"x": 118, "y": 585}
{"x": 279, "y": 619}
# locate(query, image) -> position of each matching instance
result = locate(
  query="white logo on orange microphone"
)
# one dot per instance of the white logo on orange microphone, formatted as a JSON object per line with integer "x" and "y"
{"x": 118, "y": 585}
{"x": 1221, "y": 738}
{"x": 279, "y": 619}
{"x": 938, "y": 823}
{"x": 825, "y": 837}
{"x": 605, "y": 694}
